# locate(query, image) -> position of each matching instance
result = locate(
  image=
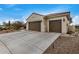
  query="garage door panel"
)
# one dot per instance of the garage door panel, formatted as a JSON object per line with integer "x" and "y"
{"x": 35, "y": 26}
{"x": 55, "y": 26}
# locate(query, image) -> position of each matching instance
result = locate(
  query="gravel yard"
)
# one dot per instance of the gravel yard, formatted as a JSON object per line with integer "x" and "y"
{"x": 64, "y": 45}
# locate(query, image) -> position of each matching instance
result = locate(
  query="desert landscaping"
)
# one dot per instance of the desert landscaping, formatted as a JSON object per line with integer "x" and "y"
{"x": 65, "y": 44}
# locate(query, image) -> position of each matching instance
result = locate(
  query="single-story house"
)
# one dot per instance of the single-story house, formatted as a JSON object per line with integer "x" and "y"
{"x": 58, "y": 22}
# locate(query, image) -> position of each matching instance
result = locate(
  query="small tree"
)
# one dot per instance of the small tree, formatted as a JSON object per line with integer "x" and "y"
{"x": 17, "y": 25}
{"x": 7, "y": 25}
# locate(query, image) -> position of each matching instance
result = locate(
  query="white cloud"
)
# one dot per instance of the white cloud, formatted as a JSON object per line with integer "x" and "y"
{"x": 61, "y": 9}
{"x": 75, "y": 19}
{"x": 23, "y": 19}
{"x": 1, "y": 22}
{"x": 57, "y": 9}
{"x": 6, "y": 20}
{"x": 12, "y": 20}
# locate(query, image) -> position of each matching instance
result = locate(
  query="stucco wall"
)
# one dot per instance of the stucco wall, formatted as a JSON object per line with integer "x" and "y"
{"x": 35, "y": 17}
{"x": 43, "y": 25}
{"x": 65, "y": 24}
{"x": 27, "y": 28}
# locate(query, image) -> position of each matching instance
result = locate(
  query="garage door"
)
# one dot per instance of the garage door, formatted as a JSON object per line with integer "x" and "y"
{"x": 35, "y": 26}
{"x": 55, "y": 26}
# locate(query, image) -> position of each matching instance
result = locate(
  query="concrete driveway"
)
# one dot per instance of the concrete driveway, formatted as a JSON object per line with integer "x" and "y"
{"x": 26, "y": 42}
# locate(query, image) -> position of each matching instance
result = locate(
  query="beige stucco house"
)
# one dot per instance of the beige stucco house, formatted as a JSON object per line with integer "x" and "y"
{"x": 58, "y": 22}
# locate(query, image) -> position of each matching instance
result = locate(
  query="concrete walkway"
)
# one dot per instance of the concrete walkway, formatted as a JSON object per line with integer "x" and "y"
{"x": 26, "y": 42}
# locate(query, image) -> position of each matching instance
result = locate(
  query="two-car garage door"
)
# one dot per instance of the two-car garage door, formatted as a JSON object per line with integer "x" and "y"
{"x": 54, "y": 26}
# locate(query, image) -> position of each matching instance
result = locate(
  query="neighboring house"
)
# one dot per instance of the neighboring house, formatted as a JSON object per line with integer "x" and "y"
{"x": 57, "y": 22}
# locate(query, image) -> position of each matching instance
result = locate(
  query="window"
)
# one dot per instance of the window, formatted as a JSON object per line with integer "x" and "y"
{"x": 63, "y": 20}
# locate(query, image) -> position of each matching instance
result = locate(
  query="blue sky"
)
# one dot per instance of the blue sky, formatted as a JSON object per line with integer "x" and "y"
{"x": 14, "y": 12}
